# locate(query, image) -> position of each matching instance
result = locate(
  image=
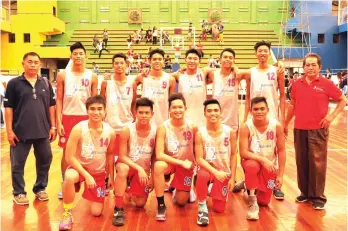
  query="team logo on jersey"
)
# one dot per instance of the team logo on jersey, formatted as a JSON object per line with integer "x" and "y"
{"x": 224, "y": 191}
{"x": 187, "y": 181}
{"x": 152, "y": 143}
{"x": 147, "y": 189}
{"x": 271, "y": 184}
{"x": 100, "y": 192}
{"x": 62, "y": 139}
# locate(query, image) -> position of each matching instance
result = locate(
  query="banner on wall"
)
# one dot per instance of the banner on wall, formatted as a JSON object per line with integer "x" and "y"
{"x": 215, "y": 15}
{"x": 135, "y": 16}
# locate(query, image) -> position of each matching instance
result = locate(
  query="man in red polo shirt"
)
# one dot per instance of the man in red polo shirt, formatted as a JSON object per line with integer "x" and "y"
{"x": 310, "y": 97}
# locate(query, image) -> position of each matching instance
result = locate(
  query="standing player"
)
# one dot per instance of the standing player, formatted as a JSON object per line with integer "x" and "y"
{"x": 261, "y": 144}
{"x": 174, "y": 154}
{"x": 120, "y": 96}
{"x": 264, "y": 80}
{"x": 90, "y": 146}
{"x": 137, "y": 144}
{"x": 74, "y": 86}
{"x": 157, "y": 86}
{"x": 215, "y": 150}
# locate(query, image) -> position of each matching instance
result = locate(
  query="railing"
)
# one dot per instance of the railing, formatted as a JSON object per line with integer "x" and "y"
{"x": 10, "y": 72}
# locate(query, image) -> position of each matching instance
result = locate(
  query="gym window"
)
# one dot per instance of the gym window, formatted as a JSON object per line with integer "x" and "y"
{"x": 336, "y": 38}
{"x": 321, "y": 38}
{"x": 26, "y": 38}
{"x": 11, "y": 38}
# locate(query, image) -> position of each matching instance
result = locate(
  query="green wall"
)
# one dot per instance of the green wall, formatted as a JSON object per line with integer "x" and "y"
{"x": 236, "y": 14}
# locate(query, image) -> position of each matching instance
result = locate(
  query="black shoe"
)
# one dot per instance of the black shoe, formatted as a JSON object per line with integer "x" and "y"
{"x": 202, "y": 218}
{"x": 239, "y": 187}
{"x": 317, "y": 205}
{"x": 278, "y": 194}
{"x": 301, "y": 199}
{"x": 118, "y": 219}
{"x": 161, "y": 213}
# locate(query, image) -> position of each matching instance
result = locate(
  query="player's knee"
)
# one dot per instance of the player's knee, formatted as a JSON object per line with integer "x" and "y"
{"x": 122, "y": 170}
{"x": 182, "y": 198}
{"x": 96, "y": 213}
{"x": 96, "y": 209}
{"x": 140, "y": 202}
{"x": 70, "y": 176}
{"x": 160, "y": 167}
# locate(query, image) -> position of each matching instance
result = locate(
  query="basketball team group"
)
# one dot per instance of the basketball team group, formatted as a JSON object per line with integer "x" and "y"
{"x": 185, "y": 142}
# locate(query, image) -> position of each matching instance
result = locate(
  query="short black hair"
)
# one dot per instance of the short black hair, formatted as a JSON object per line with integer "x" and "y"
{"x": 176, "y": 96}
{"x": 312, "y": 55}
{"x": 144, "y": 102}
{"x": 30, "y": 54}
{"x": 193, "y": 51}
{"x": 258, "y": 99}
{"x": 262, "y": 43}
{"x": 156, "y": 51}
{"x": 95, "y": 99}
{"x": 228, "y": 50}
{"x": 77, "y": 45}
{"x": 211, "y": 101}
{"x": 119, "y": 55}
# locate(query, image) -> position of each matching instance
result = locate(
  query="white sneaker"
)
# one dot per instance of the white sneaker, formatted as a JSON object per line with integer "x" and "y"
{"x": 193, "y": 196}
{"x": 253, "y": 211}
{"x": 60, "y": 194}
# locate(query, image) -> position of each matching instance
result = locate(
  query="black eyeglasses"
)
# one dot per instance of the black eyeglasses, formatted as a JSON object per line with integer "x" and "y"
{"x": 34, "y": 93}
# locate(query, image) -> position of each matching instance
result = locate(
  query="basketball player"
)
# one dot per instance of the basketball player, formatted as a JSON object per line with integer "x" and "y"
{"x": 157, "y": 86}
{"x": 74, "y": 86}
{"x": 261, "y": 144}
{"x": 215, "y": 150}
{"x": 137, "y": 144}
{"x": 264, "y": 80}
{"x": 120, "y": 96}
{"x": 90, "y": 146}
{"x": 174, "y": 155}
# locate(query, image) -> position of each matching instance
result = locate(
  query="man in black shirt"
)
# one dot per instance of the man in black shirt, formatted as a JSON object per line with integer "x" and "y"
{"x": 30, "y": 120}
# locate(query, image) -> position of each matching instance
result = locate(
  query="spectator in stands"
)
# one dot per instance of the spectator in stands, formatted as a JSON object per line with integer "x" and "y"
{"x": 214, "y": 31}
{"x": 205, "y": 27}
{"x": 217, "y": 62}
{"x": 154, "y": 35}
{"x": 167, "y": 63}
{"x": 211, "y": 61}
{"x": 95, "y": 68}
{"x": 343, "y": 83}
{"x": 141, "y": 34}
{"x": 105, "y": 38}
{"x": 221, "y": 33}
{"x": 148, "y": 35}
{"x": 200, "y": 48}
{"x": 95, "y": 43}
{"x": 135, "y": 37}
{"x": 102, "y": 48}
{"x": 328, "y": 73}
{"x": 190, "y": 32}
{"x": 129, "y": 41}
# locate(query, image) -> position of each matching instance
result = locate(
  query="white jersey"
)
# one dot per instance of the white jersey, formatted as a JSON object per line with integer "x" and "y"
{"x": 141, "y": 148}
{"x": 91, "y": 152}
{"x": 157, "y": 90}
{"x": 217, "y": 150}
{"x": 118, "y": 104}
{"x": 77, "y": 90}
{"x": 225, "y": 90}
{"x": 263, "y": 144}
{"x": 266, "y": 84}
{"x": 179, "y": 141}
{"x": 193, "y": 88}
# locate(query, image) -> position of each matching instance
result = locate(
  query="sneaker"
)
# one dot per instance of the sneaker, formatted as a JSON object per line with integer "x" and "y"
{"x": 317, "y": 205}
{"x": 209, "y": 188}
{"x": 118, "y": 219}
{"x": 253, "y": 211}
{"x": 239, "y": 187}
{"x": 278, "y": 194}
{"x": 202, "y": 218}
{"x": 60, "y": 194}
{"x": 161, "y": 213}
{"x": 42, "y": 196}
{"x": 21, "y": 199}
{"x": 193, "y": 196}
{"x": 66, "y": 222}
{"x": 301, "y": 199}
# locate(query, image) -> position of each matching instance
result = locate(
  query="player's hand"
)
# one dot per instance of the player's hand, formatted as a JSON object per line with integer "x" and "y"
{"x": 325, "y": 123}
{"x": 150, "y": 184}
{"x": 279, "y": 182}
{"x": 12, "y": 138}
{"x": 230, "y": 185}
{"x": 182, "y": 70}
{"x": 143, "y": 177}
{"x": 107, "y": 76}
{"x": 286, "y": 130}
{"x": 110, "y": 183}
{"x": 221, "y": 176}
{"x": 281, "y": 67}
{"x": 90, "y": 182}
{"x": 145, "y": 72}
{"x": 187, "y": 164}
{"x": 60, "y": 130}
{"x": 266, "y": 163}
{"x": 53, "y": 134}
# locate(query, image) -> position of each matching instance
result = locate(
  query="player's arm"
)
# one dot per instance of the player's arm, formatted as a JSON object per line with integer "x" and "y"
{"x": 134, "y": 99}
{"x": 172, "y": 85}
{"x": 103, "y": 89}
{"x": 233, "y": 159}
{"x": 210, "y": 78}
{"x": 94, "y": 85}
{"x": 176, "y": 75}
{"x": 280, "y": 67}
{"x": 71, "y": 148}
{"x": 110, "y": 158}
{"x": 244, "y": 146}
{"x": 59, "y": 101}
{"x": 281, "y": 155}
{"x": 160, "y": 155}
{"x": 281, "y": 83}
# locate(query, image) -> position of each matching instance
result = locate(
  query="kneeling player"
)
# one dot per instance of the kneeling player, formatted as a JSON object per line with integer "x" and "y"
{"x": 89, "y": 147}
{"x": 261, "y": 142}
{"x": 215, "y": 150}
{"x": 137, "y": 144}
